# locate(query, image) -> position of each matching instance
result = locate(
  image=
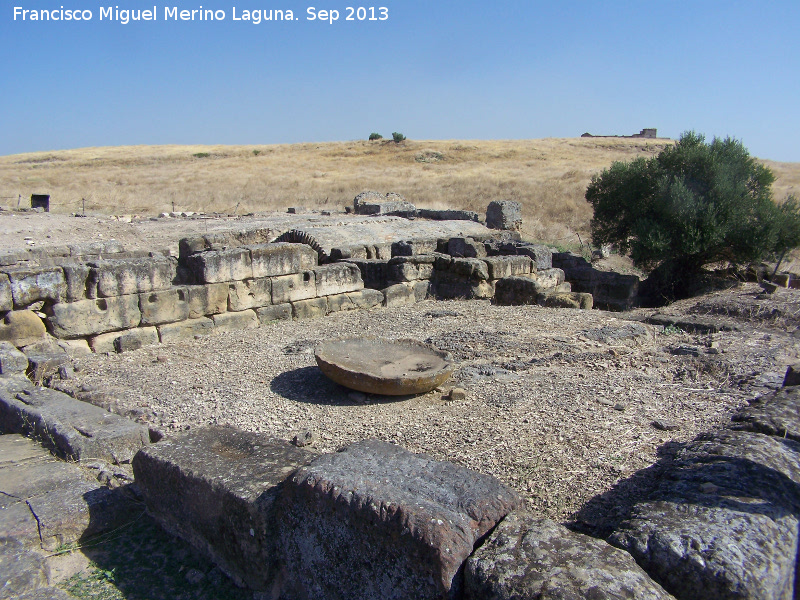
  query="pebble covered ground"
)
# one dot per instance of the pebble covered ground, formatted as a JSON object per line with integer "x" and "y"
{"x": 574, "y": 409}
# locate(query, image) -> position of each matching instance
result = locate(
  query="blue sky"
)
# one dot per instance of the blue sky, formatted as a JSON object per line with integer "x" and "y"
{"x": 433, "y": 70}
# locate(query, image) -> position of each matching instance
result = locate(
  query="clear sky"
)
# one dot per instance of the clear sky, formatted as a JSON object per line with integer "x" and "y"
{"x": 442, "y": 69}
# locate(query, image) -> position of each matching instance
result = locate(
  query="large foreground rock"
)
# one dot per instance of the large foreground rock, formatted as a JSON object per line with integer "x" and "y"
{"x": 775, "y": 414}
{"x": 75, "y": 429}
{"x": 533, "y": 558}
{"x": 216, "y": 489}
{"x": 723, "y": 522}
{"x": 378, "y": 522}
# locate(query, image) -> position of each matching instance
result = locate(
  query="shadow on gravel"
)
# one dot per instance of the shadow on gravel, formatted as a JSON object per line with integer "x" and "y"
{"x": 138, "y": 560}
{"x": 308, "y": 384}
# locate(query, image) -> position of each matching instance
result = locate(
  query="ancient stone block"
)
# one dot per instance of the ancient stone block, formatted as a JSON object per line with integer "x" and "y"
{"x": 413, "y": 247}
{"x": 136, "y": 338}
{"x": 415, "y": 518}
{"x": 466, "y": 248}
{"x": 21, "y": 571}
{"x": 184, "y": 330}
{"x": 291, "y": 288}
{"x": 21, "y": 327}
{"x": 77, "y": 277}
{"x": 209, "y": 299}
{"x": 374, "y": 272}
{"x": 11, "y": 359}
{"x": 250, "y": 293}
{"x": 74, "y": 429}
{"x": 216, "y": 266}
{"x": 504, "y": 214}
{"x": 75, "y": 348}
{"x": 448, "y": 215}
{"x": 124, "y": 276}
{"x": 6, "y": 298}
{"x": 422, "y": 289}
{"x": 45, "y": 364}
{"x": 549, "y": 278}
{"x": 309, "y": 309}
{"x": 532, "y": 557}
{"x": 272, "y": 260}
{"x": 469, "y": 268}
{"x": 511, "y": 291}
{"x": 542, "y": 256}
{"x": 216, "y": 488}
{"x": 355, "y": 300}
{"x": 165, "y": 306}
{"x": 559, "y": 299}
{"x": 399, "y": 294}
{"x": 236, "y": 321}
{"x": 508, "y": 266}
{"x": 337, "y": 278}
{"x": 90, "y": 317}
{"x": 29, "y": 285}
{"x": 411, "y": 268}
{"x": 722, "y": 522}
{"x": 275, "y": 312}
{"x": 776, "y": 414}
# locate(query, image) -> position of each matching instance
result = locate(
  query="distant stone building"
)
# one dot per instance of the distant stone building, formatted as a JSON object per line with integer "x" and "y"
{"x": 650, "y": 133}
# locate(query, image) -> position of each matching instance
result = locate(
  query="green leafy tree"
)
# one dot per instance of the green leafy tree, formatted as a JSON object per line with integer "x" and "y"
{"x": 375, "y": 136}
{"x": 398, "y": 137}
{"x": 691, "y": 205}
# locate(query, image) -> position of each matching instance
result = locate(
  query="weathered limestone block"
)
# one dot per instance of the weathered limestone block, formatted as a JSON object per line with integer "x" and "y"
{"x": 410, "y": 268}
{"x": 75, "y": 429}
{"x": 469, "y": 268}
{"x": 216, "y": 488}
{"x": 466, "y": 248}
{"x": 542, "y": 255}
{"x": 775, "y": 414}
{"x": 532, "y": 557}
{"x": 310, "y": 309}
{"x": 75, "y": 348}
{"x": 338, "y": 278}
{"x": 558, "y": 299}
{"x": 209, "y": 299}
{"x": 6, "y": 298}
{"x": 11, "y": 359}
{"x": 272, "y": 260}
{"x": 275, "y": 312}
{"x": 355, "y": 300}
{"x": 292, "y": 288}
{"x": 124, "y": 341}
{"x": 448, "y": 286}
{"x": 504, "y": 214}
{"x": 21, "y": 571}
{"x": 124, "y": 276}
{"x": 236, "y": 321}
{"x": 29, "y": 285}
{"x": 250, "y": 293}
{"x": 165, "y": 306}
{"x": 414, "y": 247}
{"x": 90, "y": 317}
{"x": 400, "y": 294}
{"x": 216, "y": 266}
{"x": 374, "y": 272}
{"x": 45, "y": 364}
{"x": 21, "y": 328}
{"x": 511, "y": 291}
{"x": 80, "y": 285}
{"x": 448, "y": 215}
{"x": 184, "y": 330}
{"x": 508, "y": 266}
{"x": 723, "y": 522}
{"x": 549, "y": 278}
{"x": 415, "y": 518}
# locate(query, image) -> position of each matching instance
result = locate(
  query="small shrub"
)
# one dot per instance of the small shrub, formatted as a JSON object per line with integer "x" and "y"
{"x": 256, "y": 152}
{"x": 375, "y": 136}
{"x": 398, "y": 137}
{"x": 202, "y": 154}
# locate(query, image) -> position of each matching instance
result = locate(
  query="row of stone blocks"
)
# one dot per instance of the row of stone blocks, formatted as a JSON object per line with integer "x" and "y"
{"x": 376, "y": 521}
{"x": 609, "y": 290}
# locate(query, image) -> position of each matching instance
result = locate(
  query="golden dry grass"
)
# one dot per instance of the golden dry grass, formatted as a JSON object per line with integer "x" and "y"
{"x": 548, "y": 176}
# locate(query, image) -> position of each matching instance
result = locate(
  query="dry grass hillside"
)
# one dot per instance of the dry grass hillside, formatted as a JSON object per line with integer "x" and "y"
{"x": 548, "y": 176}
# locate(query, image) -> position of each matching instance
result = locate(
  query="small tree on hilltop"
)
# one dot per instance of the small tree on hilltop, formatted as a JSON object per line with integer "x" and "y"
{"x": 375, "y": 136}
{"x": 398, "y": 137}
{"x": 691, "y": 205}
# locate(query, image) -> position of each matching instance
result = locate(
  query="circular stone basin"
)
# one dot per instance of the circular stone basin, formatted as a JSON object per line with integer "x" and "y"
{"x": 391, "y": 367}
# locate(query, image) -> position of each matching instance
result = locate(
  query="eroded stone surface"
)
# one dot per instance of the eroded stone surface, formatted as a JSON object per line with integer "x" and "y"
{"x": 126, "y": 276}
{"x": 272, "y": 260}
{"x": 21, "y": 571}
{"x": 378, "y": 522}
{"x": 216, "y": 488}
{"x": 21, "y": 328}
{"x": 533, "y": 557}
{"x": 91, "y": 317}
{"x": 11, "y": 359}
{"x": 164, "y": 306}
{"x": 29, "y": 285}
{"x": 775, "y": 414}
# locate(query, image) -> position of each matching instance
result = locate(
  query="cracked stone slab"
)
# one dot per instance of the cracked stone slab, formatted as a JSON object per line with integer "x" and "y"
{"x": 21, "y": 571}
{"x": 777, "y": 414}
{"x": 216, "y": 488}
{"x": 73, "y": 428}
{"x": 378, "y": 522}
{"x": 533, "y": 557}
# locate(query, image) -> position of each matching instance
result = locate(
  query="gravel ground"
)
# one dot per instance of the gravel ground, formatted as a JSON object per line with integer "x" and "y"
{"x": 560, "y": 404}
